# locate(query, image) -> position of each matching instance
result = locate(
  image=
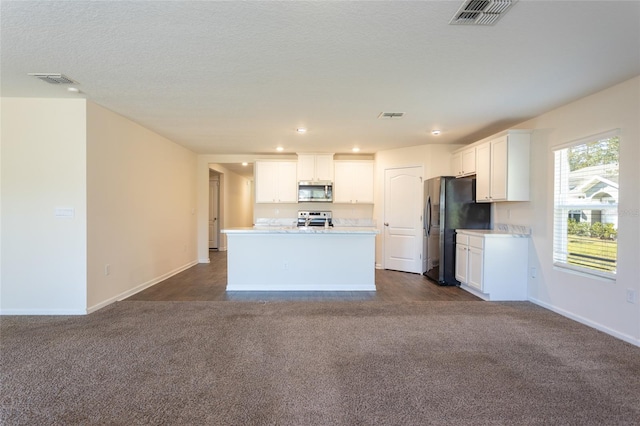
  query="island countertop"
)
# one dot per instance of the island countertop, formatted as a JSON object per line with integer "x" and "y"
{"x": 303, "y": 230}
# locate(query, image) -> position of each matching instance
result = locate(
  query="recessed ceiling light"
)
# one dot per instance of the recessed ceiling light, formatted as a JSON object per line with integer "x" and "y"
{"x": 73, "y": 89}
{"x": 355, "y": 149}
{"x": 245, "y": 164}
{"x": 435, "y": 132}
{"x": 280, "y": 149}
{"x": 301, "y": 130}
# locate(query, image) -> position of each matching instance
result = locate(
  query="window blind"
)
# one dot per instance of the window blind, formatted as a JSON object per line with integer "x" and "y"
{"x": 586, "y": 205}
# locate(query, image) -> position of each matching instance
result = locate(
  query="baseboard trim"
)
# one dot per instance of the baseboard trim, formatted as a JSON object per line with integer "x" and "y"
{"x": 58, "y": 312}
{"x": 207, "y": 260}
{"x": 140, "y": 287}
{"x": 629, "y": 339}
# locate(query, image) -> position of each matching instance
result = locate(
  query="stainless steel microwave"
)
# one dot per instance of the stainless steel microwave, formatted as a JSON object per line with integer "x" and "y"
{"x": 315, "y": 191}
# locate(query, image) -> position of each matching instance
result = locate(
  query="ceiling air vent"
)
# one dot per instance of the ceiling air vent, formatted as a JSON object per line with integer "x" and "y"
{"x": 390, "y": 115}
{"x": 53, "y": 78}
{"x": 481, "y": 12}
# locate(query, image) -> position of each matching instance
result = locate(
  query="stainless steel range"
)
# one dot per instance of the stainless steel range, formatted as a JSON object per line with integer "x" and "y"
{"x": 314, "y": 218}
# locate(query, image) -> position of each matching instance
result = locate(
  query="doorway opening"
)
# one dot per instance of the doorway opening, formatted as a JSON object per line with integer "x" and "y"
{"x": 230, "y": 204}
{"x": 214, "y": 210}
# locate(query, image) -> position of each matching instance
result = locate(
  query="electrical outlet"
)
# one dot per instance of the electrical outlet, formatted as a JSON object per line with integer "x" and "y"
{"x": 631, "y": 295}
{"x": 107, "y": 269}
{"x": 285, "y": 266}
{"x": 534, "y": 272}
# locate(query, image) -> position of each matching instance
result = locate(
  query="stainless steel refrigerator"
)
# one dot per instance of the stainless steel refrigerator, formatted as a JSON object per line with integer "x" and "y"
{"x": 449, "y": 205}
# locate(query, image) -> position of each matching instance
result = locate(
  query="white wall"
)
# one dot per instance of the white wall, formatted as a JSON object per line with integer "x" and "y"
{"x": 43, "y": 267}
{"x": 141, "y": 207}
{"x": 435, "y": 160}
{"x": 599, "y": 303}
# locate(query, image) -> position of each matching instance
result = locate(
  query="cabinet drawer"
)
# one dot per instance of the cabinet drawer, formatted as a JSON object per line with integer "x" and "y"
{"x": 462, "y": 239}
{"x": 477, "y": 242}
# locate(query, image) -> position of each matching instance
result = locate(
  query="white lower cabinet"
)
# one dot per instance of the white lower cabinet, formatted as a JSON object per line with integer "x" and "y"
{"x": 492, "y": 265}
{"x": 462, "y": 258}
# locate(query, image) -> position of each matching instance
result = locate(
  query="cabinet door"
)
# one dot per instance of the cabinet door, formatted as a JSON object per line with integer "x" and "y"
{"x": 483, "y": 173}
{"x": 456, "y": 164}
{"x": 468, "y": 161}
{"x": 461, "y": 263}
{"x": 324, "y": 167}
{"x": 287, "y": 183}
{"x": 353, "y": 182}
{"x": 475, "y": 268}
{"x": 342, "y": 182}
{"x": 362, "y": 182}
{"x": 499, "y": 169}
{"x": 306, "y": 167}
{"x": 266, "y": 182}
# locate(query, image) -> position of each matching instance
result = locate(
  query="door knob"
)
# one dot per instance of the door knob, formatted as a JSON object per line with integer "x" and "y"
{"x": 386, "y": 224}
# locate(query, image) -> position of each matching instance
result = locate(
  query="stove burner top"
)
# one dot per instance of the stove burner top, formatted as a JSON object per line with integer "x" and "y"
{"x": 314, "y": 218}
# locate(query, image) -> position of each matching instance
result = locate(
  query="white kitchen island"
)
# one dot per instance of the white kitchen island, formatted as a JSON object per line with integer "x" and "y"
{"x": 301, "y": 259}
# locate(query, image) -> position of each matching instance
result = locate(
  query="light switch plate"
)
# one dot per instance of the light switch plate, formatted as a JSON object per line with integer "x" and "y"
{"x": 64, "y": 212}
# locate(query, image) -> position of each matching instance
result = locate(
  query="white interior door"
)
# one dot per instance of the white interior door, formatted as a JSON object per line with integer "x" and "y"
{"x": 403, "y": 241}
{"x": 214, "y": 187}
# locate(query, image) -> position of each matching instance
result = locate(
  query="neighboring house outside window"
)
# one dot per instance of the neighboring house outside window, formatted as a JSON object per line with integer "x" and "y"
{"x": 586, "y": 205}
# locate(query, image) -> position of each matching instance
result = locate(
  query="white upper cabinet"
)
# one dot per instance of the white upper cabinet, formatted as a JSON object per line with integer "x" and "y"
{"x": 276, "y": 182}
{"x": 353, "y": 182}
{"x": 483, "y": 172}
{"x": 463, "y": 162}
{"x": 502, "y": 168}
{"x": 314, "y": 167}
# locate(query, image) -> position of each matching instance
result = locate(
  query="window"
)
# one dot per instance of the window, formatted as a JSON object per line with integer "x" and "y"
{"x": 586, "y": 205}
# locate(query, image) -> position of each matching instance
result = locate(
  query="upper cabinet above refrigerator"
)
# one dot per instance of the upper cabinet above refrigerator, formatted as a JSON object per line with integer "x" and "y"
{"x": 463, "y": 163}
{"x": 500, "y": 164}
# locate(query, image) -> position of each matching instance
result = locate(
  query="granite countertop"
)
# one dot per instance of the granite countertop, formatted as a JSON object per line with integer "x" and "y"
{"x": 492, "y": 233}
{"x": 500, "y": 230}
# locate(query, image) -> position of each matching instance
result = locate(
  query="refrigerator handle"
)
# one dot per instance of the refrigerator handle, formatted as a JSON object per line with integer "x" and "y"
{"x": 427, "y": 217}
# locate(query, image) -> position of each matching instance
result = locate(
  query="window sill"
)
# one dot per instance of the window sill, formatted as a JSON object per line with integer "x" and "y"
{"x": 587, "y": 273}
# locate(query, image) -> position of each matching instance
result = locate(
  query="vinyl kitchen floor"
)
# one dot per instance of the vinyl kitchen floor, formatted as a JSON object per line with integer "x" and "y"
{"x": 207, "y": 282}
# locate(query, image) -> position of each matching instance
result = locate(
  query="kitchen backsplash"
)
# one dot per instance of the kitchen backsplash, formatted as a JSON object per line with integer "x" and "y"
{"x": 369, "y": 223}
{"x": 286, "y": 211}
{"x": 512, "y": 229}
{"x": 337, "y": 222}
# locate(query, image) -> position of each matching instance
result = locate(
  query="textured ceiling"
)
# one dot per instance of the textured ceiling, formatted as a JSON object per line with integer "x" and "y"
{"x": 240, "y": 77}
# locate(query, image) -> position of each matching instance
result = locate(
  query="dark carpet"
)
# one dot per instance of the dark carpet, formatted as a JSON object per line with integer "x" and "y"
{"x": 318, "y": 363}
